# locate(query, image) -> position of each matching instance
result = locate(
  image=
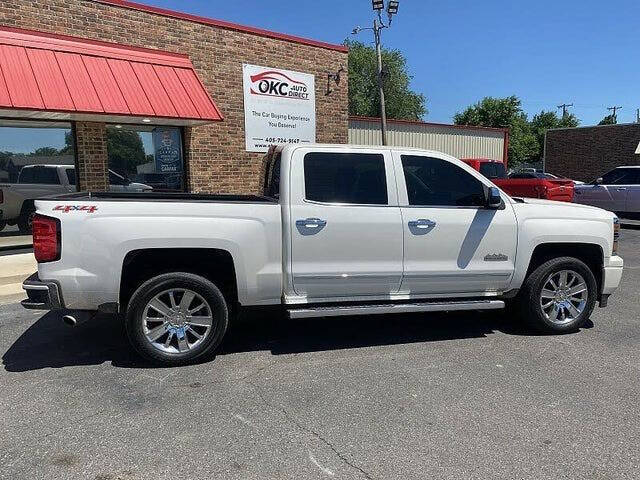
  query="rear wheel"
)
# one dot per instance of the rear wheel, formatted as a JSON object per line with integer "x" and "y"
{"x": 176, "y": 318}
{"x": 25, "y": 222}
{"x": 559, "y": 296}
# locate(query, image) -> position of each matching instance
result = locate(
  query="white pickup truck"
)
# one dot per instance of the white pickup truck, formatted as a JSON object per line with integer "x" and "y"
{"x": 339, "y": 230}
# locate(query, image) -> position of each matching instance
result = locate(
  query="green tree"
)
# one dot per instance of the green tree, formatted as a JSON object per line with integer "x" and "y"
{"x": 125, "y": 150}
{"x": 609, "y": 120}
{"x": 504, "y": 113}
{"x": 45, "y": 152}
{"x": 364, "y": 98}
{"x": 543, "y": 121}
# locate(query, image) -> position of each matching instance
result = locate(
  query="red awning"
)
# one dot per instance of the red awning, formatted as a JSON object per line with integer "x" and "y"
{"x": 45, "y": 76}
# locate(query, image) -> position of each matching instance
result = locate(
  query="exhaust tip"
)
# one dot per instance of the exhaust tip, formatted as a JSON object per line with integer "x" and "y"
{"x": 69, "y": 320}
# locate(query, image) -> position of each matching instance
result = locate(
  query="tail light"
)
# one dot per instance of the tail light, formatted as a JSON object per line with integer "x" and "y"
{"x": 616, "y": 234}
{"x": 46, "y": 238}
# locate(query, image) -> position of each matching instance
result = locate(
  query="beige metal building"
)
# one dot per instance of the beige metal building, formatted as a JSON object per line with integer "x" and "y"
{"x": 457, "y": 140}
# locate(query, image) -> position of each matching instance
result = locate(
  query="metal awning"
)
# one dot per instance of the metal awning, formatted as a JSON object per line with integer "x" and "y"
{"x": 54, "y": 77}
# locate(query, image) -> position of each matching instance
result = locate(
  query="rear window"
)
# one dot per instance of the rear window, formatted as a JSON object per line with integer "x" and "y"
{"x": 493, "y": 170}
{"x": 356, "y": 178}
{"x": 40, "y": 175}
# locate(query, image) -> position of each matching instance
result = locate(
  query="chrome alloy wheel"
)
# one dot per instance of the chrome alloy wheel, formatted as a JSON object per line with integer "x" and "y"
{"x": 564, "y": 296}
{"x": 177, "y": 320}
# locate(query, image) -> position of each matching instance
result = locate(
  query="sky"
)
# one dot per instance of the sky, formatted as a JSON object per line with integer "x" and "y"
{"x": 584, "y": 52}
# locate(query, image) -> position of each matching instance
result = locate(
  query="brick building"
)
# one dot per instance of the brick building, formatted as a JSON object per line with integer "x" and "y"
{"x": 585, "y": 153}
{"x": 101, "y": 78}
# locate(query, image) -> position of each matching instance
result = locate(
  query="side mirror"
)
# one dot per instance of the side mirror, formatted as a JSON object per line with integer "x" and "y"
{"x": 599, "y": 181}
{"x": 493, "y": 199}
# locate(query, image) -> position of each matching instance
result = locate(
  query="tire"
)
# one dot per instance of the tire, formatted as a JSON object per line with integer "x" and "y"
{"x": 2, "y": 225}
{"x": 25, "y": 222}
{"x": 175, "y": 321}
{"x": 554, "y": 314}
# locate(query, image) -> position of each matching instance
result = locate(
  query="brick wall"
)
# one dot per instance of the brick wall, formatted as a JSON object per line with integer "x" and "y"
{"x": 586, "y": 153}
{"x": 91, "y": 149}
{"x": 216, "y": 159}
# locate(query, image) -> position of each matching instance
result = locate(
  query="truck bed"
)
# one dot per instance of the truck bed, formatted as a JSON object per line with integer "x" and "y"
{"x": 162, "y": 197}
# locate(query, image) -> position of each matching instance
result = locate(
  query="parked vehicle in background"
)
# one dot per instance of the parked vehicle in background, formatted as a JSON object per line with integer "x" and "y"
{"x": 339, "y": 230}
{"x": 617, "y": 191}
{"x": 526, "y": 183}
{"x": 38, "y": 181}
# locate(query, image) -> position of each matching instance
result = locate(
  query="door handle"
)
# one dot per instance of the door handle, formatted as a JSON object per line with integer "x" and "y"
{"x": 422, "y": 223}
{"x": 621, "y": 189}
{"x": 310, "y": 226}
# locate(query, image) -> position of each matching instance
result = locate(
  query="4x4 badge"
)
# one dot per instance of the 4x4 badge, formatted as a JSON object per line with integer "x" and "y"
{"x": 73, "y": 208}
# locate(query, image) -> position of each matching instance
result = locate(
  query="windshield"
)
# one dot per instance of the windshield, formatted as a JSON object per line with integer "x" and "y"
{"x": 493, "y": 170}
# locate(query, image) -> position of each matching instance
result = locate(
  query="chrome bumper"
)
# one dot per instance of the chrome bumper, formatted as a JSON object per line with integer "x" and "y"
{"x": 42, "y": 295}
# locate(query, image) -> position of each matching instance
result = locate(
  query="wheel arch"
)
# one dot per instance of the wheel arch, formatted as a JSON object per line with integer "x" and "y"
{"x": 214, "y": 264}
{"x": 591, "y": 254}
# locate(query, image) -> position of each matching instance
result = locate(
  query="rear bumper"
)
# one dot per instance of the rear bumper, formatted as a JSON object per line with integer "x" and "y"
{"x": 42, "y": 295}
{"x": 612, "y": 275}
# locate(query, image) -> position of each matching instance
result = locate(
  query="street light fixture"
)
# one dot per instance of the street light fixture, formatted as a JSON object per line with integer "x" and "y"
{"x": 378, "y": 25}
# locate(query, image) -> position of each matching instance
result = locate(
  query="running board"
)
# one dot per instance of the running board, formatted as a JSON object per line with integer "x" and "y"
{"x": 449, "y": 306}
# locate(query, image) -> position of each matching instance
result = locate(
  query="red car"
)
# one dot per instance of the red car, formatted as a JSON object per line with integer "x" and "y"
{"x": 524, "y": 184}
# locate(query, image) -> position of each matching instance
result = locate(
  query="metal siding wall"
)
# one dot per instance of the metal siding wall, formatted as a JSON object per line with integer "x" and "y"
{"x": 459, "y": 142}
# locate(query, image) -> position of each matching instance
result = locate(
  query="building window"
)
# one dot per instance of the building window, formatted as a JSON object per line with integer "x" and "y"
{"x": 26, "y": 145}
{"x": 145, "y": 158}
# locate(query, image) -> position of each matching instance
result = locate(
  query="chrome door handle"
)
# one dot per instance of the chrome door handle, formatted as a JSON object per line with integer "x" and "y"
{"x": 621, "y": 189}
{"x": 422, "y": 223}
{"x": 310, "y": 226}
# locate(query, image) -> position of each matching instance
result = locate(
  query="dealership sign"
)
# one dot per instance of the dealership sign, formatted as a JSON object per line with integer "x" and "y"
{"x": 279, "y": 107}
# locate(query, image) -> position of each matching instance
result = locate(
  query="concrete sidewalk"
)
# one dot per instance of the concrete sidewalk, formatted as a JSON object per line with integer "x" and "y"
{"x": 13, "y": 270}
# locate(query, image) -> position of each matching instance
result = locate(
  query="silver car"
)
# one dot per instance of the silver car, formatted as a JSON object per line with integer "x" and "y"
{"x": 617, "y": 191}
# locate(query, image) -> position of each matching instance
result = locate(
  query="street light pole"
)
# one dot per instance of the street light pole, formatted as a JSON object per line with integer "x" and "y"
{"x": 378, "y": 25}
{"x": 383, "y": 110}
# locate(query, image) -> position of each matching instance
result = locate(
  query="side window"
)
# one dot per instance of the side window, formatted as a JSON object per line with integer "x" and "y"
{"x": 357, "y": 178}
{"x": 115, "y": 179}
{"x": 436, "y": 182}
{"x": 26, "y": 175}
{"x": 619, "y": 176}
{"x": 71, "y": 176}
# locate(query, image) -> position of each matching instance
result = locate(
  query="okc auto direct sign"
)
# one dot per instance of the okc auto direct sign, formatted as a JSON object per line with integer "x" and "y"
{"x": 279, "y": 107}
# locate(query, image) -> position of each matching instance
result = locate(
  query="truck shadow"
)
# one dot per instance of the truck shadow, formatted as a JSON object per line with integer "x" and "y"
{"x": 48, "y": 344}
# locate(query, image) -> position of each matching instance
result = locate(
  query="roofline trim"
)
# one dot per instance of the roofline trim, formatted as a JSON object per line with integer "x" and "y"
{"x": 431, "y": 124}
{"x": 221, "y": 24}
{"x": 585, "y": 127}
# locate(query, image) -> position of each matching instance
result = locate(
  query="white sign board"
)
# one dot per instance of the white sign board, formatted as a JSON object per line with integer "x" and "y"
{"x": 279, "y": 107}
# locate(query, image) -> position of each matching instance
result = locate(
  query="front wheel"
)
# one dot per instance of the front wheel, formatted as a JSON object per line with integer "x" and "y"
{"x": 559, "y": 296}
{"x": 176, "y": 318}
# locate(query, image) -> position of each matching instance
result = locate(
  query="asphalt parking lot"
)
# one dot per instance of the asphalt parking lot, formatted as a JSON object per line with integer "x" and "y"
{"x": 441, "y": 396}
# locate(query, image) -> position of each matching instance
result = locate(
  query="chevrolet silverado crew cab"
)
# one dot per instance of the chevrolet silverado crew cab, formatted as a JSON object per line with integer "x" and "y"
{"x": 338, "y": 230}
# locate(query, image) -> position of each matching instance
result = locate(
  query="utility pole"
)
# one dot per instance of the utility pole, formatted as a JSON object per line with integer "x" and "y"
{"x": 564, "y": 107}
{"x": 614, "y": 109}
{"x": 378, "y": 26}
{"x": 637, "y": 115}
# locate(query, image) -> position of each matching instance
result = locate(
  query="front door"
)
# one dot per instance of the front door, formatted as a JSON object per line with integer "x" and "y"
{"x": 346, "y": 229}
{"x": 452, "y": 243}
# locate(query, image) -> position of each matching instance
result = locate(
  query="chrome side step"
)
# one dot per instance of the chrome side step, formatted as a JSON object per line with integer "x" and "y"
{"x": 377, "y": 309}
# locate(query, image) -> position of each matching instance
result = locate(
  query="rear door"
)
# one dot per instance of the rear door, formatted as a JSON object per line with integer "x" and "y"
{"x": 346, "y": 228}
{"x": 452, "y": 243}
{"x": 632, "y": 205}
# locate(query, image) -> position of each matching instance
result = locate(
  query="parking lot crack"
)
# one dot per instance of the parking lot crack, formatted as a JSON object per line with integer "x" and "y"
{"x": 300, "y": 426}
